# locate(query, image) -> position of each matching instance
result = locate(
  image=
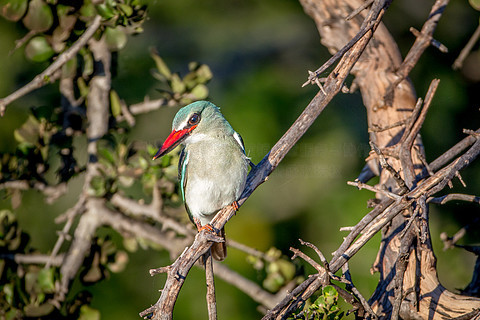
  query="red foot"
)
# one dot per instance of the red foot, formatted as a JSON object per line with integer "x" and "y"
{"x": 235, "y": 205}
{"x": 208, "y": 227}
{"x": 200, "y": 227}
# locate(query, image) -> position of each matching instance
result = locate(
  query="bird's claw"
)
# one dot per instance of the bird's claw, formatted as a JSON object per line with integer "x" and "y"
{"x": 207, "y": 227}
{"x": 235, "y": 205}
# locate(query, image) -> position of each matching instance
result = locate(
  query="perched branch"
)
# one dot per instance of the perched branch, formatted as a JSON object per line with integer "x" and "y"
{"x": 259, "y": 174}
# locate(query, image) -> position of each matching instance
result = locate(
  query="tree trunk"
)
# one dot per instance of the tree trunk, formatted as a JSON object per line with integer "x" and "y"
{"x": 408, "y": 285}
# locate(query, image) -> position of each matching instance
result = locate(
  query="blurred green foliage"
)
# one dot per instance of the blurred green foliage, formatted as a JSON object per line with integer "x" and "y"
{"x": 258, "y": 53}
{"x": 325, "y": 307}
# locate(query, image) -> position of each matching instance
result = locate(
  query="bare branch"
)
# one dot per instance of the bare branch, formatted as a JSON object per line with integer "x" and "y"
{"x": 43, "y": 78}
{"x": 422, "y": 42}
{"x": 260, "y": 173}
{"x": 78, "y": 208}
{"x": 351, "y": 287}
{"x": 410, "y": 134}
{"x": 33, "y": 258}
{"x": 211, "y": 302}
{"x": 355, "y": 12}
{"x": 466, "y": 50}
{"x": 454, "y": 196}
{"x": 361, "y": 186}
{"x": 385, "y": 165}
{"x": 51, "y": 192}
{"x": 370, "y": 24}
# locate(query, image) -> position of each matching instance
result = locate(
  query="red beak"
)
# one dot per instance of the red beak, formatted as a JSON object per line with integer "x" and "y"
{"x": 173, "y": 140}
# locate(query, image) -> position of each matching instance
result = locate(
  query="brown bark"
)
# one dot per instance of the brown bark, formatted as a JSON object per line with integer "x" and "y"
{"x": 408, "y": 286}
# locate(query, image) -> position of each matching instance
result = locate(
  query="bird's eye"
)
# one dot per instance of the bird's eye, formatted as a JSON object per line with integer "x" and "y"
{"x": 194, "y": 119}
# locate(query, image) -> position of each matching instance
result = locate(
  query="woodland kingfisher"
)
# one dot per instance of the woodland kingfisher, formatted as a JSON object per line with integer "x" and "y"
{"x": 213, "y": 167}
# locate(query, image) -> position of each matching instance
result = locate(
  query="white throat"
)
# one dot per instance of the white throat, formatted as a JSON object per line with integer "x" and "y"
{"x": 198, "y": 137}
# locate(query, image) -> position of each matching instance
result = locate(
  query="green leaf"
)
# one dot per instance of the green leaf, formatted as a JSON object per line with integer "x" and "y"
{"x": 177, "y": 84}
{"x": 39, "y": 17}
{"x": 97, "y": 187}
{"x": 204, "y": 73}
{"x": 475, "y": 4}
{"x": 46, "y": 280}
{"x": 29, "y": 132}
{"x": 8, "y": 291}
{"x": 115, "y": 104}
{"x": 331, "y": 296}
{"x": 33, "y": 310}
{"x": 13, "y": 10}
{"x": 151, "y": 150}
{"x": 115, "y": 38}
{"x": 273, "y": 282}
{"x": 274, "y": 253}
{"x": 130, "y": 244}
{"x": 125, "y": 8}
{"x": 88, "y": 9}
{"x": 200, "y": 91}
{"x": 161, "y": 65}
{"x": 107, "y": 155}
{"x": 287, "y": 269}
{"x": 38, "y": 49}
{"x": 82, "y": 87}
{"x": 69, "y": 69}
{"x": 106, "y": 11}
{"x": 88, "y": 313}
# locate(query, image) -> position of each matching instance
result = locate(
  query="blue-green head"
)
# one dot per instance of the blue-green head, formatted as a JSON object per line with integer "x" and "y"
{"x": 200, "y": 117}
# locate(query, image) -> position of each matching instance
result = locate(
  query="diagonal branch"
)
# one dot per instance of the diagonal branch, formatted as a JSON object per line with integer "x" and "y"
{"x": 334, "y": 82}
{"x": 422, "y": 42}
{"x": 43, "y": 78}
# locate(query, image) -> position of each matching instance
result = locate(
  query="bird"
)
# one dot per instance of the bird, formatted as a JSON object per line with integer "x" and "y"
{"x": 213, "y": 165}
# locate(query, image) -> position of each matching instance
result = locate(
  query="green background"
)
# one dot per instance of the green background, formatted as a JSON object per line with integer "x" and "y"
{"x": 259, "y": 53}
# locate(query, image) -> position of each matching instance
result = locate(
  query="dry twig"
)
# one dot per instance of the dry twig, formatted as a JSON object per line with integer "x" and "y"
{"x": 46, "y": 76}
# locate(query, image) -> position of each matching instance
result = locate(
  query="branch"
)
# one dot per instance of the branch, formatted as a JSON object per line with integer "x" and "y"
{"x": 422, "y": 42}
{"x": 97, "y": 115}
{"x": 147, "y": 105}
{"x": 51, "y": 192}
{"x": 43, "y": 78}
{"x": 351, "y": 287}
{"x": 259, "y": 174}
{"x": 466, "y": 50}
{"x": 32, "y": 258}
{"x": 369, "y": 25}
{"x": 410, "y": 135}
{"x": 78, "y": 208}
{"x": 211, "y": 302}
{"x": 453, "y": 197}
{"x": 374, "y": 221}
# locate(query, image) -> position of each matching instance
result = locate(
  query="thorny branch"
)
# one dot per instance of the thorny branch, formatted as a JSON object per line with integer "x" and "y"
{"x": 163, "y": 308}
{"x": 96, "y": 211}
{"x": 423, "y": 40}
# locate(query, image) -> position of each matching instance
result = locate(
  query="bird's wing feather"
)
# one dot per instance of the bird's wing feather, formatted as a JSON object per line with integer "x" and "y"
{"x": 239, "y": 139}
{"x": 182, "y": 177}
